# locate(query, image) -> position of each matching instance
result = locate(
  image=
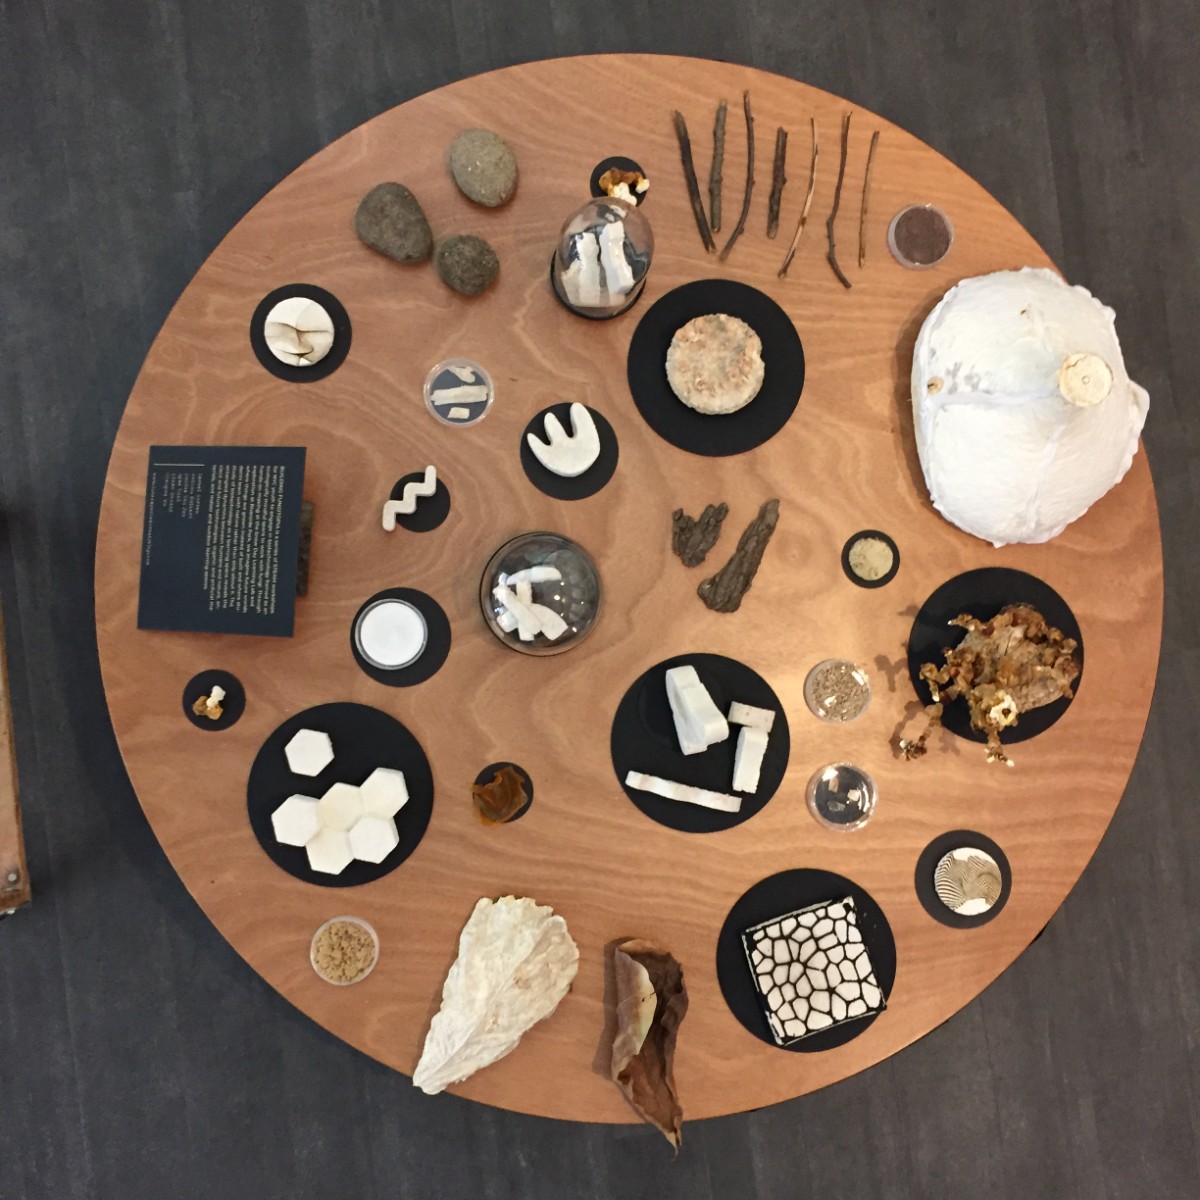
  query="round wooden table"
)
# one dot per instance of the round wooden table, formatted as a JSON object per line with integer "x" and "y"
{"x": 844, "y": 462}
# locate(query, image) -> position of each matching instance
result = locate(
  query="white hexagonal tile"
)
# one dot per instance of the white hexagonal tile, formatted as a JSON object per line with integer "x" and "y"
{"x": 296, "y": 821}
{"x": 309, "y": 752}
{"x": 329, "y": 852}
{"x": 341, "y": 806}
{"x": 385, "y": 793}
{"x": 373, "y": 838}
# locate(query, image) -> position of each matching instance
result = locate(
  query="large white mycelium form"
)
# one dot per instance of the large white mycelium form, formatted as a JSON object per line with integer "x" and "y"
{"x": 1023, "y": 412}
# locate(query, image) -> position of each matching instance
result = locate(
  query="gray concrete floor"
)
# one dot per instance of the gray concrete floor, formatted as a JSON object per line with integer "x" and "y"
{"x": 139, "y": 1057}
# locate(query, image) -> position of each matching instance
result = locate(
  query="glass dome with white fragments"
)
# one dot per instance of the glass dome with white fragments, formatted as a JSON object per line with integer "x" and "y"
{"x": 603, "y": 256}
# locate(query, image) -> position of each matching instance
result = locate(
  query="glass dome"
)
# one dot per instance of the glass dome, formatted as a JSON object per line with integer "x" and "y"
{"x": 540, "y": 593}
{"x": 603, "y": 257}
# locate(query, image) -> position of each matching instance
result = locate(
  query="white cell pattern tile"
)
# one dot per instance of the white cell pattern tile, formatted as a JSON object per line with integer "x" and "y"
{"x": 812, "y": 969}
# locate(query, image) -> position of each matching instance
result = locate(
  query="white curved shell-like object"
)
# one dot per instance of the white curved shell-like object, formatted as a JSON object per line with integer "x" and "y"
{"x": 1023, "y": 412}
{"x": 299, "y": 331}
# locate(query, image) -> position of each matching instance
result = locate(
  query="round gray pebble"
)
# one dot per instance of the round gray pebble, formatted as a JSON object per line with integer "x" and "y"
{"x": 390, "y": 220}
{"x": 466, "y": 263}
{"x": 484, "y": 167}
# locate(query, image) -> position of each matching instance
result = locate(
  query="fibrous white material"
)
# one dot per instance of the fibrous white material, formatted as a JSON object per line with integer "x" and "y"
{"x": 309, "y": 752}
{"x": 748, "y": 759}
{"x": 520, "y": 612}
{"x": 581, "y": 280}
{"x": 698, "y": 722}
{"x": 298, "y": 331}
{"x": 1024, "y": 414}
{"x": 755, "y": 718}
{"x": 407, "y": 504}
{"x": 618, "y": 274}
{"x": 566, "y": 454}
{"x": 516, "y": 961}
{"x": 668, "y": 789}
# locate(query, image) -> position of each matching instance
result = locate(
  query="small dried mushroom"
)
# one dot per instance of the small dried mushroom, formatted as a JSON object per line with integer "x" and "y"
{"x": 624, "y": 185}
{"x": 210, "y": 706}
{"x": 1011, "y": 664}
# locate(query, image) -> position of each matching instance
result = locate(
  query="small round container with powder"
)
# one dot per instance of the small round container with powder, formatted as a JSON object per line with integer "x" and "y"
{"x": 920, "y": 236}
{"x": 344, "y": 950}
{"x": 841, "y": 796}
{"x": 870, "y": 558}
{"x": 390, "y": 634}
{"x": 837, "y": 691}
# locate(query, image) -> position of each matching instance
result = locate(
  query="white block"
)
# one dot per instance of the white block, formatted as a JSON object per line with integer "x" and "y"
{"x": 668, "y": 789}
{"x": 309, "y": 752}
{"x": 747, "y": 714}
{"x": 329, "y": 852}
{"x": 296, "y": 821}
{"x": 748, "y": 759}
{"x": 693, "y": 707}
{"x": 552, "y": 625}
{"x": 373, "y": 838}
{"x": 385, "y": 792}
{"x": 341, "y": 806}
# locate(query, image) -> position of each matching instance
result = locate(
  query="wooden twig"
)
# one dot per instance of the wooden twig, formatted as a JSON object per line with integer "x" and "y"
{"x": 808, "y": 199}
{"x": 837, "y": 199}
{"x": 741, "y": 225}
{"x": 689, "y": 175}
{"x": 714, "y": 172}
{"x": 862, "y": 213}
{"x": 778, "y": 179}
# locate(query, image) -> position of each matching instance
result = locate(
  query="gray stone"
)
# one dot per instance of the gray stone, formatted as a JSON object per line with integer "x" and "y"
{"x": 466, "y": 263}
{"x": 484, "y": 167}
{"x": 390, "y": 220}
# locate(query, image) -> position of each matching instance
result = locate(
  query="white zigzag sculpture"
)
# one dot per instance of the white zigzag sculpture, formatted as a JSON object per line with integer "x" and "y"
{"x": 407, "y": 504}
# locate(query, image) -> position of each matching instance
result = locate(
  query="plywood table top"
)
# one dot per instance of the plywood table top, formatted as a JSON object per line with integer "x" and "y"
{"x": 845, "y": 461}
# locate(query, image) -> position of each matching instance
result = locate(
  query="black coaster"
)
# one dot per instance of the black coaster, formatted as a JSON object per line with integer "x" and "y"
{"x": 930, "y": 857}
{"x": 437, "y": 644}
{"x": 430, "y": 512}
{"x": 733, "y": 433}
{"x": 232, "y": 706}
{"x": 983, "y": 593}
{"x": 622, "y": 164}
{"x": 363, "y": 739}
{"x": 883, "y": 579}
{"x": 644, "y": 739}
{"x": 341, "y": 334}
{"x": 785, "y": 893}
{"x": 489, "y": 773}
{"x": 559, "y": 486}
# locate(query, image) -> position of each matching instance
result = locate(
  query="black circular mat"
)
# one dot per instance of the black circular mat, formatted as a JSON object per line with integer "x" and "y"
{"x": 644, "y": 739}
{"x": 622, "y": 164}
{"x": 785, "y": 893}
{"x": 733, "y": 433}
{"x": 958, "y": 839}
{"x": 341, "y": 334}
{"x": 858, "y": 579}
{"x": 489, "y": 773}
{"x": 363, "y": 739}
{"x": 560, "y": 487}
{"x": 232, "y": 706}
{"x": 983, "y": 593}
{"x": 437, "y": 644}
{"x": 430, "y": 512}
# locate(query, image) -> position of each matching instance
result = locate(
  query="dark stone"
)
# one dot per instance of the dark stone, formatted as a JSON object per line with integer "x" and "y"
{"x": 390, "y": 220}
{"x": 466, "y": 263}
{"x": 693, "y": 537}
{"x": 723, "y": 591}
{"x": 484, "y": 167}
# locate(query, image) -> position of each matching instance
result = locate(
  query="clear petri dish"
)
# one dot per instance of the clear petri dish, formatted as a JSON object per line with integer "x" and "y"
{"x": 459, "y": 391}
{"x": 841, "y": 796}
{"x": 340, "y": 955}
{"x": 920, "y": 236}
{"x": 837, "y": 690}
{"x": 391, "y": 634}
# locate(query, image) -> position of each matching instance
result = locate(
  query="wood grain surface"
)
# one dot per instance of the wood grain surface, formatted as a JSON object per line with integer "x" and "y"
{"x": 14, "y": 874}
{"x": 844, "y": 462}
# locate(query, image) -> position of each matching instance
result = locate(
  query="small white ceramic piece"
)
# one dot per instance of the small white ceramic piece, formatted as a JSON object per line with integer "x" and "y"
{"x": 618, "y": 274}
{"x": 567, "y": 454}
{"x": 520, "y": 612}
{"x": 668, "y": 789}
{"x": 458, "y": 413}
{"x": 698, "y": 722}
{"x": 298, "y": 331}
{"x": 329, "y": 851}
{"x": 373, "y": 838}
{"x": 532, "y": 575}
{"x": 581, "y": 280}
{"x": 341, "y": 806}
{"x": 391, "y": 634}
{"x": 755, "y": 718}
{"x": 296, "y": 821}
{"x": 214, "y": 700}
{"x": 309, "y": 752}
{"x": 413, "y": 491}
{"x": 384, "y": 792}
{"x": 748, "y": 759}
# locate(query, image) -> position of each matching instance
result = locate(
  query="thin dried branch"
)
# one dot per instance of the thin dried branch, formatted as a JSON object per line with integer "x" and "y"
{"x": 741, "y": 225}
{"x": 837, "y": 199}
{"x": 778, "y": 179}
{"x": 862, "y": 213}
{"x": 715, "y": 177}
{"x": 689, "y": 175}
{"x": 808, "y": 199}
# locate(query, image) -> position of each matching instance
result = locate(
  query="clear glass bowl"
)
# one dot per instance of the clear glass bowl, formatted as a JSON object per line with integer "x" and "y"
{"x": 842, "y": 796}
{"x": 458, "y": 391}
{"x": 837, "y": 691}
{"x": 574, "y": 597}
{"x": 603, "y": 257}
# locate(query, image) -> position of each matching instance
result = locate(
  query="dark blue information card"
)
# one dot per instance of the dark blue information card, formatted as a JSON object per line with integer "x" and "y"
{"x": 221, "y": 539}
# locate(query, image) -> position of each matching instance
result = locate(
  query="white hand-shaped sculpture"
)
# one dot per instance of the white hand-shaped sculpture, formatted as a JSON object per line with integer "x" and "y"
{"x": 567, "y": 454}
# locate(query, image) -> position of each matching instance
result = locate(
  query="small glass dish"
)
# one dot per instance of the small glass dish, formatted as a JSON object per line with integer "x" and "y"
{"x": 841, "y": 796}
{"x": 459, "y": 392}
{"x": 326, "y": 957}
{"x": 391, "y": 634}
{"x": 837, "y": 690}
{"x": 920, "y": 236}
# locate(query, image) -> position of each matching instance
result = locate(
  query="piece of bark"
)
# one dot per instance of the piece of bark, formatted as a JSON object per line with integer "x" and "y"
{"x": 862, "y": 212}
{"x": 741, "y": 225}
{"x": 643, "y": 1050}
{"x": 808, "y": 199}
{"x": 693, "y": 188}
{"x": 715, "y": 176}
{"x": 304, "y": 556}
{"x": 778, "y": 179}
{"x": 723, "y": 591}
{"x": 693, "y": 537}
{"x": 837, "y": 199}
